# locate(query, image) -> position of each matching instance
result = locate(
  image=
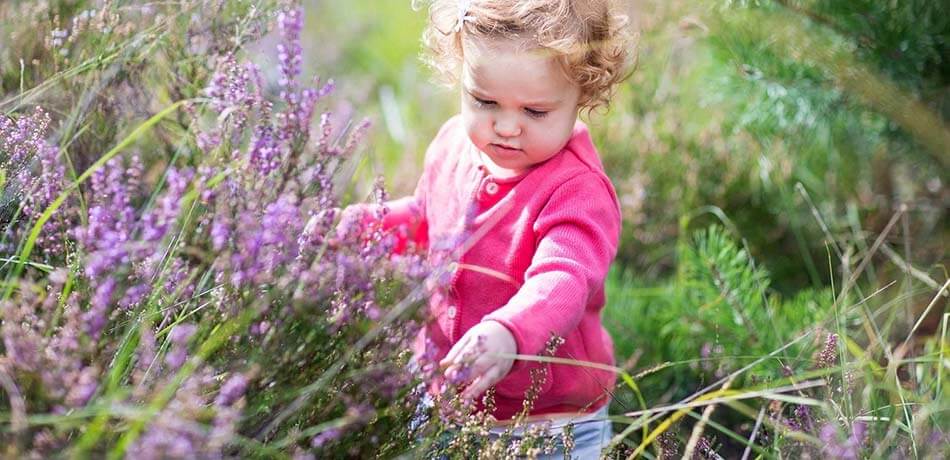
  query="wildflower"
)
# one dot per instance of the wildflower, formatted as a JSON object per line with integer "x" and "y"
{"x": 829, "y": 354}
{"x": 156, "y": 223}
{"x": 850, "y": 449}
{"x": 231, "y": 391}
{"x": 21, "y": 343}
{"x": 704, "y": 449}
{"x": 84, "y": 387}
{"x": 325, "y": 437}
{"x": 669, "y": 448}
{"x": 803, "y": 417}
{"x": 220, "y": 232}
{"x": 264, "y": 154}
{"x": 289, "y": 52}
{"x": 178, "y": 351}
{"x": 23, "y": 141}
{"x": 95, "y": 318}
{"x": 108, "y": 235}
{"x": 232, "y": 94}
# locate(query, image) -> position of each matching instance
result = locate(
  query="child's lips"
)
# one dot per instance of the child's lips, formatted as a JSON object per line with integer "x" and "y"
{"x": 505, "y": 150}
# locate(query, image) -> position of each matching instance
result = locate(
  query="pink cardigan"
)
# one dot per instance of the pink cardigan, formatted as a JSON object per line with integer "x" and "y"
{"x": 530, "y": 252}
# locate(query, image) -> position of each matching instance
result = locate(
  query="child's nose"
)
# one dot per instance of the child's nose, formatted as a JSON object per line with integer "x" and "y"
{"x": 507, "y": 127}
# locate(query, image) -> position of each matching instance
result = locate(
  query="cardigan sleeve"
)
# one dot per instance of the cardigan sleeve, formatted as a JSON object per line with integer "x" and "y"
{"x": 577, "y": 236}
{"x": 406, "y": 217}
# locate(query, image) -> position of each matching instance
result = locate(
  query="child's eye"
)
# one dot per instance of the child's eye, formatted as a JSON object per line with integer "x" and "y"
{"x": 536, "y": 113}
{"x": 482, "y": 102}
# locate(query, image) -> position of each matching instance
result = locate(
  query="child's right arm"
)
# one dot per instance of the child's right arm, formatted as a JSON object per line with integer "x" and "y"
{"x": 405, "y": 217}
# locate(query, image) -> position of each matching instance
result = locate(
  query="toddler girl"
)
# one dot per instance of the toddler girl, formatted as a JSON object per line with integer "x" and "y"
{"x": 514, "y": 201}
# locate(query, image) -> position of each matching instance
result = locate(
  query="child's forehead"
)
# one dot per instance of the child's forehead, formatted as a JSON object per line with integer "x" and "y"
{"x": 529, "y": 77}
{"x": 507, "y": 55}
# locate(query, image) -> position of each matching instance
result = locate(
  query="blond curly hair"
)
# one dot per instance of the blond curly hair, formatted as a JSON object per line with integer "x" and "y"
{"x": 588, "y": 39}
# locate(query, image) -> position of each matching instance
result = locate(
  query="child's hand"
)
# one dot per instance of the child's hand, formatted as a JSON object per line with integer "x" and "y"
{"x": 488, "y": 367}
{"x": 348, "y": 227}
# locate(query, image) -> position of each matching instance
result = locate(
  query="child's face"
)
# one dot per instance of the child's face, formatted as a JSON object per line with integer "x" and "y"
{"x": 517, "y": 106}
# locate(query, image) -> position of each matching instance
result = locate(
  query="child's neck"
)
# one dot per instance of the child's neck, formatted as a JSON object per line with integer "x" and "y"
{"x": 496, "y": 171}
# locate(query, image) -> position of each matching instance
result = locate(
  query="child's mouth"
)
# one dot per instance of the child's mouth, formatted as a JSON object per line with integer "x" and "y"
{"x": 505, "y": 150}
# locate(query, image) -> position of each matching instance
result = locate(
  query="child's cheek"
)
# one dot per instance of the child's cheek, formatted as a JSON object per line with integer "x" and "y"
{"x": 476, "y": 133}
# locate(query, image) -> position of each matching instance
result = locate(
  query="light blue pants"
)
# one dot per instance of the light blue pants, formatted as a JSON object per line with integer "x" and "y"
{"x": 592, "y": 434}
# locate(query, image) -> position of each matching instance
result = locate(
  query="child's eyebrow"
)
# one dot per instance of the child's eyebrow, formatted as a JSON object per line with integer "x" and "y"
{"x": 474, "y": 91}
{"x": 553, "y": 103}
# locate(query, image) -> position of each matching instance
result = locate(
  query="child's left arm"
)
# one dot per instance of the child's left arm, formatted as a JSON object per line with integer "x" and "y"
{"x": 578, "y": 233}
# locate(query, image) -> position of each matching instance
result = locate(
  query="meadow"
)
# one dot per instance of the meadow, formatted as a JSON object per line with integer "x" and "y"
{"x": 176, "y": 285}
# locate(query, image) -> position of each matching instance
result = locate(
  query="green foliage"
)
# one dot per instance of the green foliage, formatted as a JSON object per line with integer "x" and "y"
{"x": 717, "y": 275}
{"x": 718, "y": 321}
{"x": 734, "y": 105}
{"x": 718, "y": 308}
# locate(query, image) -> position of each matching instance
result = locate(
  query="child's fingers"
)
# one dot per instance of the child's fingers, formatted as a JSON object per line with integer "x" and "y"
{"x": 481, "y": 383}
{"x": 454, "y": 353}
{"x": 476, "y": 388}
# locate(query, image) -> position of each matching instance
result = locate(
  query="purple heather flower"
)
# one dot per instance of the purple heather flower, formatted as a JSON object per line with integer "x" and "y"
{"x": 356, "y": 135}
{"x": 850, "y": 449}
{"x": 317, "y": 226}
{"x": 264, "y": 152}
{"x": 326, "y": 129}
{"x": 704, "y": 449}
{"x": 134, "y": 295}
{"x": 207, "y": 141}
{"x": 352, "y": 221}
{"x": 21, "y": 343}
{"x": 176, "y": 356}
{"x": 260, "y": 327}
{"x": 289, "y": 52}
{"x": 83, "y": 388}
{"x": 180, "y": 334}
{"x": 327, "y": 436}
{"x": 829, "y": 354}
{"x": 156, "y": 223}
{"x": 232, "y": 390}
{"x": 95, "y": 318}
{"x": 107, "y": 237}
{"x": 266, "y": 242}
{"x": 58, "y": 37}
{"x": 232, "y": 92}
{"x": 23, "y": 143}
{"x": 177, "y": 274}
{"x": 178, "y": 351}
{"x": 803, "y": 417}
{"x": 21, "y": 137}
{"x": 220, "y": 232}
{"x": 461, "y": 375}
{"x": 308, "y": 100}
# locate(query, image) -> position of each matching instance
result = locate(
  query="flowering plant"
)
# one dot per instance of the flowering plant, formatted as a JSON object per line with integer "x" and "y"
{"x": 191, "y": 306}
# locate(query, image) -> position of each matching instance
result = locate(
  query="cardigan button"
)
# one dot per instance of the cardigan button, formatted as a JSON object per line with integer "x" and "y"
{"x": 451, "y": 311}
{"x": 491, "y": 188}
